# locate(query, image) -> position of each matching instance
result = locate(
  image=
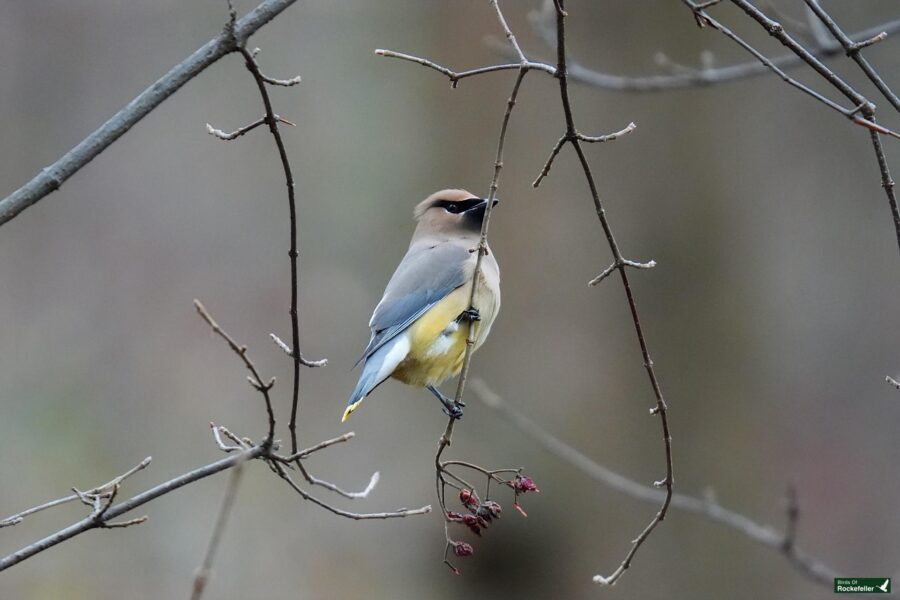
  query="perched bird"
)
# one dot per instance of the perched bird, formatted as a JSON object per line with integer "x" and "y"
{"x": 419, "y": 328}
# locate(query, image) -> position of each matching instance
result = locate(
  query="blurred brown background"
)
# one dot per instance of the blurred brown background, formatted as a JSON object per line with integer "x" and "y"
{"x": 772, "y": 315}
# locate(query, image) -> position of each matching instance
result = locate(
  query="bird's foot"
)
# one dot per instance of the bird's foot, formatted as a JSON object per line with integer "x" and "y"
{"x": 453, "y": 410}
{"x": 470, "y": 314}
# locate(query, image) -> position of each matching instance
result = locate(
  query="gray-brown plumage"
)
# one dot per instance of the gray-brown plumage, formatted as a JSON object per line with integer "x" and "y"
{"x": 420, "y": 326}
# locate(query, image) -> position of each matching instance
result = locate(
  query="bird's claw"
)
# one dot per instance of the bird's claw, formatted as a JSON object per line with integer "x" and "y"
{"x": 454, "y": 411}
{"x": 470, "y": 314}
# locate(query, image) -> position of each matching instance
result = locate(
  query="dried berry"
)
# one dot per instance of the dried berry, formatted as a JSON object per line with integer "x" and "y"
{"x": 489, "y": 510}
{"x": 463, "y": 549}
{"x": 475, "y": 523}
{"x": 468, "y": 498}
{"x": 523, "y": 484}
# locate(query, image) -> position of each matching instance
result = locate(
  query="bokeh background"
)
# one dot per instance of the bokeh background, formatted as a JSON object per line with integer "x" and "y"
{"x": 772, "y": 316}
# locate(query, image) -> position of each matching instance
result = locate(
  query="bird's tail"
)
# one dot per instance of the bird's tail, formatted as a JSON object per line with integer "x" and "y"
{"x": 376, "y": 369}
{"x": 363, "y": 387}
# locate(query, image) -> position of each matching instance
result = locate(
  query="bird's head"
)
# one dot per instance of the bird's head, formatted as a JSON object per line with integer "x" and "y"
{"x": 450, "y": 213}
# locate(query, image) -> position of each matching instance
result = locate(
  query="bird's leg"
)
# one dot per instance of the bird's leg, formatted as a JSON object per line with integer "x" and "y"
{"x": 451, "y": 409}
{"x": 470, "y": 314}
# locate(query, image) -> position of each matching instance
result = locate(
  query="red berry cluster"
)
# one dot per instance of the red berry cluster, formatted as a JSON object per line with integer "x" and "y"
{"x": 480, "y": 514}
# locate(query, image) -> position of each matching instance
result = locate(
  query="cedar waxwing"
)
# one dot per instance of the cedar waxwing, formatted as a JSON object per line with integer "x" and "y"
{"x": 416, "y": 333}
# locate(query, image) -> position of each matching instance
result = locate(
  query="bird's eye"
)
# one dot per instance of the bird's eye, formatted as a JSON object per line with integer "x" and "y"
{"x": 453, "y": 208}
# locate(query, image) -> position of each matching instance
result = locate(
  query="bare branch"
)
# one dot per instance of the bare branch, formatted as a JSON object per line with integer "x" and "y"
{"x": 272, "y": 121}
{"x": 705, "y": 75}
{"x": 861, "y": 103}
{"x": 549, "y": 163}
{"x": 120, "y": 509}
{"x": 707, "y": 508}
{"x": 852, "y": 48}
{"x": 364, "y": 493}
{"x": 51, "y": 178}
{"x": 619, "y": 262}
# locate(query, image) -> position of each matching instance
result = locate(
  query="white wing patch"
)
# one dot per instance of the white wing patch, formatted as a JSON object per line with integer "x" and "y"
{"x": 444, "y": 341}
{"x": 399, "y": 349}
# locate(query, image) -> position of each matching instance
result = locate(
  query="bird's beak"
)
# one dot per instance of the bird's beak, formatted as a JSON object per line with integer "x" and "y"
{"x": 481, "y": 206}
{"x": 475, "y": 215}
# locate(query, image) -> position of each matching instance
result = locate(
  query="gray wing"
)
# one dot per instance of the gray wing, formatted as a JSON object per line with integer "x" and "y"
{"x": 425, "y": 277}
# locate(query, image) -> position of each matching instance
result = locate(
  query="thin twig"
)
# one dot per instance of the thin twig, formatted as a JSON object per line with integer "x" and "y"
{"x": 363, "y": 493}
{"x": 255, "y": 379}
{"x": 306, "y": 362}
{"x": 101, "y": 491}
{"x": 584, "y": 138}
{"x": 708, "y": 508}
{"x": 619, "y": 265}
{"x": 321, "y": 445}
{"x": 397, "y": 514}
{"x": 243, "y": 130}
{"x": 456, "y": 76}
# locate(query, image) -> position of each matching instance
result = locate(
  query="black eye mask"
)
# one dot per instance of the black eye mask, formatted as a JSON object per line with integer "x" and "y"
{"x": 459, "y": 206}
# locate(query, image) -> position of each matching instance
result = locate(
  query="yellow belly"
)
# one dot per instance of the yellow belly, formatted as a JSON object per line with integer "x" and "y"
{"x": 437, "y": 343}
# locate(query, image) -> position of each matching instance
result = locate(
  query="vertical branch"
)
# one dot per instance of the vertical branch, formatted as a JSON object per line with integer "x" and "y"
{"x": 271, "y": 120}
{"x": 620, "y": 264}
{"x": 887, "y": 182}
{"x": 482, "y": 247}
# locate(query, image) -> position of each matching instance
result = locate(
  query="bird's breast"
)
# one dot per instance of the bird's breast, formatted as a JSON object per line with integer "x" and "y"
{"x": 438, "y": 340}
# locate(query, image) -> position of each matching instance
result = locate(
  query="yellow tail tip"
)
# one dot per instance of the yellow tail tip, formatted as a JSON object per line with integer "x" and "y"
{"x": 349, "y": 410}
